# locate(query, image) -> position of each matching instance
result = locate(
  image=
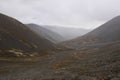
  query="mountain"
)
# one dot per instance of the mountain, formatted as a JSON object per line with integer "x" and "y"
{"x": 94, "y": 56}
{"x": 108, "y": 32}
{"x": 68, "y": 33}
{"x": 16, "y": 38}
{"x": 46, "y": 33}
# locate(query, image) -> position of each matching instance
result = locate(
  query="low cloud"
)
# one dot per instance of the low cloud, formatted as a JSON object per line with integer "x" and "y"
{"x": 68, "y": 13}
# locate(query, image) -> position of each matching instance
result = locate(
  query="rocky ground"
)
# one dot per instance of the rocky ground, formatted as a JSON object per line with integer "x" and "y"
{"x": 87, "y": 63}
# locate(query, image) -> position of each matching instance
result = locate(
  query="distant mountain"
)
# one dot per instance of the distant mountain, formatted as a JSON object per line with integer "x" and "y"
{"x": 46, "y": 33}
{"x": 108, "y": 32}
{"x": 16, "y": 38}
{"x": 68, "y": 33}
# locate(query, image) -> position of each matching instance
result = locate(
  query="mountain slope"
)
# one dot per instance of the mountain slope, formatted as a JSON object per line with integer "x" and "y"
{"x": 97, "y": 59}
{"x": 96, "y": 54}
{"x": 68, "y": 33}
{"x": 15, "y": 37}
{"x": 108, "y": 32}
{"x": 46, "y": 33}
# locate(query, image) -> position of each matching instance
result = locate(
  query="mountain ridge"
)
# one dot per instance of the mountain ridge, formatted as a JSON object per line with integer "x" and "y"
{"x": 16, "y": 36}
{"x": 108, "y": 32}
{"x": 46, "y": 33}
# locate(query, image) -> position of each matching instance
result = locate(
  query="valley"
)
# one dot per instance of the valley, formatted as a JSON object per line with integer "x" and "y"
{"x": 34, "y": 54}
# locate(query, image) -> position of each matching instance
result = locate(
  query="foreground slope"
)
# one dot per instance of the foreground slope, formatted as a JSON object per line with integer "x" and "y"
{"x": 83, "y": 64}
{"x": 15, "y": 37}
{"x": 46, "y": 33}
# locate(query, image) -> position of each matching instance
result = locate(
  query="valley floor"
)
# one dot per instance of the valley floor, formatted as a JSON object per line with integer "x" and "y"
{"x": 84, "y": 64}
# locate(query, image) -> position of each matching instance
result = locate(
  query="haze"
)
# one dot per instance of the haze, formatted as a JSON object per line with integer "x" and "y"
{"x": 68, "y": 13}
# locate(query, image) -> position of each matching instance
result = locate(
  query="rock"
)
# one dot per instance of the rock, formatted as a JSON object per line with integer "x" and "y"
{"x": 115, "y": 79}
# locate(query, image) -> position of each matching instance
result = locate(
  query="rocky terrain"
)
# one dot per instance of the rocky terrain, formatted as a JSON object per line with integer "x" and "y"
{"x": 94, "y": 56}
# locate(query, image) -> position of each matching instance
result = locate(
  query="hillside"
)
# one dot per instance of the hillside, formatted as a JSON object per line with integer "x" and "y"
{"x": 94, "y": 56}
{"x": 16, "y": 38}
{"x": 108, "y": 32}
{"x": 46, "y": 33}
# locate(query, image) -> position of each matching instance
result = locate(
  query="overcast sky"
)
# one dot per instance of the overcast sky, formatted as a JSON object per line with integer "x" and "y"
{"x": 68, "y": 13}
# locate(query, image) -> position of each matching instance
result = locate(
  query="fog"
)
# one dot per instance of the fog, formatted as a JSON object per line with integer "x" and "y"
{"x": 68, "y": 13}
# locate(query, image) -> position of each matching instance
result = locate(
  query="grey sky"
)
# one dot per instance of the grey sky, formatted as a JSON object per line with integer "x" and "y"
{"x": 69, "y": 13}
